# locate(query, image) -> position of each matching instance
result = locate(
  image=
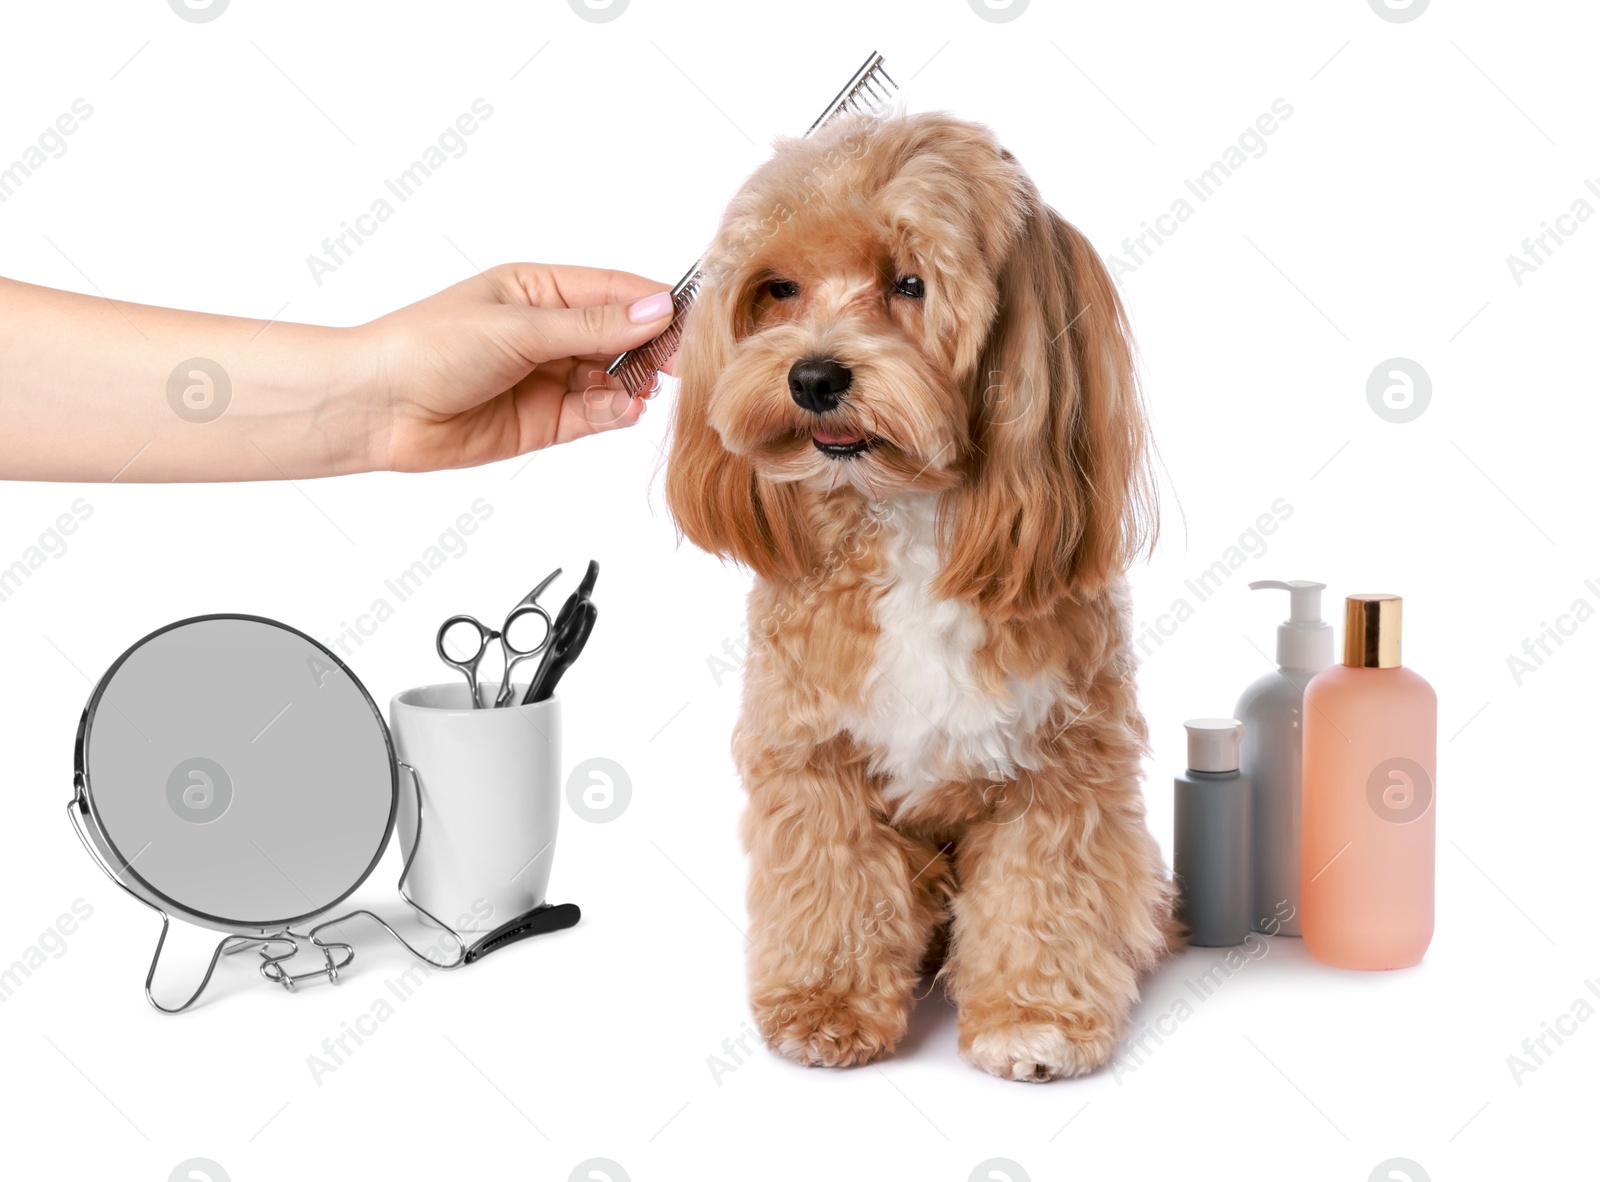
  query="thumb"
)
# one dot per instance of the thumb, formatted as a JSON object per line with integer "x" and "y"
{"x": 599, "y": 329}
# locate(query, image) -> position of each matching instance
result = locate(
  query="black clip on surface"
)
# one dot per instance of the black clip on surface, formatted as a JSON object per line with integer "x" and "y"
{"x": 546, "y": 918}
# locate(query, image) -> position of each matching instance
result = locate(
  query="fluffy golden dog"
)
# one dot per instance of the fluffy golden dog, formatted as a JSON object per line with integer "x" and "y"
{"x": 908, "y": 404}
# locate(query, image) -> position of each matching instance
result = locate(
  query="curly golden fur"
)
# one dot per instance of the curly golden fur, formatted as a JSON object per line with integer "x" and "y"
{"x": 939, "y": 733}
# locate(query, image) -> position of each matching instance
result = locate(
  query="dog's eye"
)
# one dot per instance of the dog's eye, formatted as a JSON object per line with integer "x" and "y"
{"x": 783, "y": 289}
{"x": 912, "y": 287}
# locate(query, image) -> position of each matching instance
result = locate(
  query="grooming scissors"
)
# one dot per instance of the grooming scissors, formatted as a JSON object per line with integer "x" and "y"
{"x": 514, "y": 655}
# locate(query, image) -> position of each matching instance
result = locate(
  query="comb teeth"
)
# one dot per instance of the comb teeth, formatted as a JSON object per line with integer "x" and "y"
{"x": 868, "y": 92}
{"x": 637, "y": 368}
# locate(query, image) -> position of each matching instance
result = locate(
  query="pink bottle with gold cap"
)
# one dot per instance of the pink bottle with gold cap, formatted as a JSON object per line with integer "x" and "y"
{"x": 1367, "y": 796}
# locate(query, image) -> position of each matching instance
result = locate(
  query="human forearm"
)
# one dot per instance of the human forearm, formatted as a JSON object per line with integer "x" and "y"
{"x": 94, "y": 390}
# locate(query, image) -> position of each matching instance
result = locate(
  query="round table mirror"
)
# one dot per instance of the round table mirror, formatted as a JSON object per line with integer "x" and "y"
{"x": 236, "y": 774}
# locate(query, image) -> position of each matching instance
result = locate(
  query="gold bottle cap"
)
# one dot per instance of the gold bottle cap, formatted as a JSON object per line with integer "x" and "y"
{"x": 1372, "y": 631}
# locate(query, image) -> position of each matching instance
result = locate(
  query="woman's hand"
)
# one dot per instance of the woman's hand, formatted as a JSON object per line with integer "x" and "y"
{"x": 506, "y": 362}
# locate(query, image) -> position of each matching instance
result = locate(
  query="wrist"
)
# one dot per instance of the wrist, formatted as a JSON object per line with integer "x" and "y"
{"x": 349, "y": 408}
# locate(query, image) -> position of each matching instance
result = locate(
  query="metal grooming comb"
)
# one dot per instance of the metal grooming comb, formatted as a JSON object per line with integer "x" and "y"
{"x": 867, "y": 91}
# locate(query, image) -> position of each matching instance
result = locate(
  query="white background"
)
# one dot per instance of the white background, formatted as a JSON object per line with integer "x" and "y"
{"x": 1376, "y": 225}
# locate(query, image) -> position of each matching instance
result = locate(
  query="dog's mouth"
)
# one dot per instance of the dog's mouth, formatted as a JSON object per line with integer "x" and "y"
{"x": 841, "y": 446}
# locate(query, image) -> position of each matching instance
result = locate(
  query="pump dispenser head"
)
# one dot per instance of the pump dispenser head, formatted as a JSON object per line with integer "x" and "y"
{"x": 1305, "y": 639}
{"x": 1214, "y": 744}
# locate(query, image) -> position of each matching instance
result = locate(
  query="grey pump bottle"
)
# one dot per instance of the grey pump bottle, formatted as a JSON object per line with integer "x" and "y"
{"x": 1211, "y": 846}
{"x": 1272, "y": 711}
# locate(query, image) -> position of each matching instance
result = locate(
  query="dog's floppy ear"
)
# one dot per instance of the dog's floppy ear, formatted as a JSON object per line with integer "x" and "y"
{"x": 715, "y": 496}
{"x": 1058, "y": 498}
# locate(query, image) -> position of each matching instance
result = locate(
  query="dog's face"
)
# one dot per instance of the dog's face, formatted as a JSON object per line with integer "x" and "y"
{"x": 889, "y": 306}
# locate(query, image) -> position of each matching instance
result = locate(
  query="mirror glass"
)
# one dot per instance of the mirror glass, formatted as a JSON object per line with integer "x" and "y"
{"x": 243, "y": 775}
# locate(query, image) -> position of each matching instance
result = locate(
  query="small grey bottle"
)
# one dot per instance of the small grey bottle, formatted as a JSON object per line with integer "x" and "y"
{"x": 1211, "y": 846}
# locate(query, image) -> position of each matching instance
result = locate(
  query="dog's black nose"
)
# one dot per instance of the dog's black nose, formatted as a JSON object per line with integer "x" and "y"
{"x": 817, "y": 383}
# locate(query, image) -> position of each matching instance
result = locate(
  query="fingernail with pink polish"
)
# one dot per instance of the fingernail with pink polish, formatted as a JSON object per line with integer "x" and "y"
{"x": 652, "y": 307}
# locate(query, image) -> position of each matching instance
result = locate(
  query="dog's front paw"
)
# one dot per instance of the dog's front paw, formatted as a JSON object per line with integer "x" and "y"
{"x": 822, "y": 1029}
{"x": 1020, "y": 1047}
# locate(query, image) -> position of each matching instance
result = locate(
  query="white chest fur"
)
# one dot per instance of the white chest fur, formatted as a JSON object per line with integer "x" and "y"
{"x": 922, "y": 711}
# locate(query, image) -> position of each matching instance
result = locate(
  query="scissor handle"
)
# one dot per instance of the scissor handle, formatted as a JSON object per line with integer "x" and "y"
{"x": 465, "y": 664}
{"x": 514, "y": 653}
